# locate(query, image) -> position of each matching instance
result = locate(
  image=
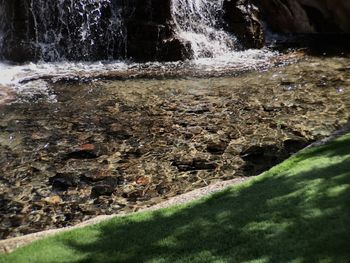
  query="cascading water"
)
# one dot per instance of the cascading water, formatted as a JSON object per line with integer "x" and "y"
{"x": 70, "y": 29}
{"x": 82, "y": 30}
{"x": 70, "y": 33}
{"x": 200, "y": 23}
{"x": 91, "y": 30}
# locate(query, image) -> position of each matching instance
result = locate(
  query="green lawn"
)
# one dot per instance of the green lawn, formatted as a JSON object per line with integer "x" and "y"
{"x": 298, "y": 211}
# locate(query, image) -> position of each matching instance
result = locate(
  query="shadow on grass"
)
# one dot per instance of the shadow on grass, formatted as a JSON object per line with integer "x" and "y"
{"x": 301, "y": 215}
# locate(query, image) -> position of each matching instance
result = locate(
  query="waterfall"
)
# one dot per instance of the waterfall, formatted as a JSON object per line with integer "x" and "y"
{"x": 87, "y": 39}
{"x": 200, "y": 23}
{"x": 68, "y": 29}
{"x": 94, "y": 30}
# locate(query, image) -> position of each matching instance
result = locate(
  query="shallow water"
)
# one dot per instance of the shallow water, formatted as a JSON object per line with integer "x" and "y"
{"x": 86, "y": 144}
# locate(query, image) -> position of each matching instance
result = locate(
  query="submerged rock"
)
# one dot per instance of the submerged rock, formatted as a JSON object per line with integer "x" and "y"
{"x": 216, "y": 147}
{"x": 53, "y": 200}
{"x": 102, "y": 189}
{"x": 153, "y": 139}
{"x": 61, "y": 182}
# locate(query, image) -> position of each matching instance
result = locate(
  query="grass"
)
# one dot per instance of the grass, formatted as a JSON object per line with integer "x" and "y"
{"x": 298, "y": 211}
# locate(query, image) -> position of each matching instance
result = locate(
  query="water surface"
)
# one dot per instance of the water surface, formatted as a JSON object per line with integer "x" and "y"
{"x": 81, "y": 140}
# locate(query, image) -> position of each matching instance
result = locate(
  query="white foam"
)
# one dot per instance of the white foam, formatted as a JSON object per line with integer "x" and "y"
{"x": 29, "y": 80}
{"x": 248, "y": 59}
{"x": 12, "y": 75}
{"x": 198, "y": 22}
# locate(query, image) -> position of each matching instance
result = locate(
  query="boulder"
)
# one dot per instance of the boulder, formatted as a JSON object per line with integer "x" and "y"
{"x": 306, "y": 16}
{"x": 151, "y": 35}
{"x": 62, "y": 181}
{"x": 242, "y": 18}
{"x": 103, "y": 189}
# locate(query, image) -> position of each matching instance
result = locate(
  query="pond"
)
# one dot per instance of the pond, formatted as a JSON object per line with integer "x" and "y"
{"x": 80, "y": 141}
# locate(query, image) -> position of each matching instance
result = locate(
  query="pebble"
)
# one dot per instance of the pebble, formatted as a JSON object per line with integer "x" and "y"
{"x": 102, "y": 189}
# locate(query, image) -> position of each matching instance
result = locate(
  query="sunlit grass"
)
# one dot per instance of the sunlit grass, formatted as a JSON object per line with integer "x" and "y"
{"x": 298, "y": 211}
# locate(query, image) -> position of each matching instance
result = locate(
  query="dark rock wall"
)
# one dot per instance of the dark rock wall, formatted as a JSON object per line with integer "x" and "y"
{"x": 17, "y": 31}
{"x": 242, "y": 19}
{"x": 307, "y": 16}
{"x": 150, "y": 33}
{"x": 51, "y": 31}
{"x": 144, "y": 30}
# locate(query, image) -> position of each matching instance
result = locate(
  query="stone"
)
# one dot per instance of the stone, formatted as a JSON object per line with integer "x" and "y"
{"x": 174, "y": 49}
{"x": 151, "y": 34}
{"x": 294, "y": 144}
{"x": 306, "y": 16}
{"x": 6, "y": 94}
{"x": 119, "y": 132}
{"x": 61, "y": 181}
{"x": 87, "y": 147}
{"x": 16, "y": 220}
{"x": 200, "y": 164}
{"x": 82, "y": 154}
{"x": 14, "y": 23}
{"x": 96, "y": 175}
{"x": 53, "y": 200}
{"x": 102, "y": 189}
{"x": 242, "y": 19}
{"x": 216, "y": 147}
{"x": 259, "y": 158}
{"x": 142, "y": 180}
{"x": 86, "y": 151}
{"x": 162, "y": 189}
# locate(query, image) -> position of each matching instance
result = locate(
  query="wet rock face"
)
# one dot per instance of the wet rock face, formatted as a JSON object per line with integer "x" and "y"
{"x": 93, "y": 30}
{"x": 307, "y": 16}
{"x": 143, "y": 30}
{"x": 15, "y": 22}
{"x": 58, "y": 30}
{"x": 242, "y": 19}
{"x": 150, "y": 33}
